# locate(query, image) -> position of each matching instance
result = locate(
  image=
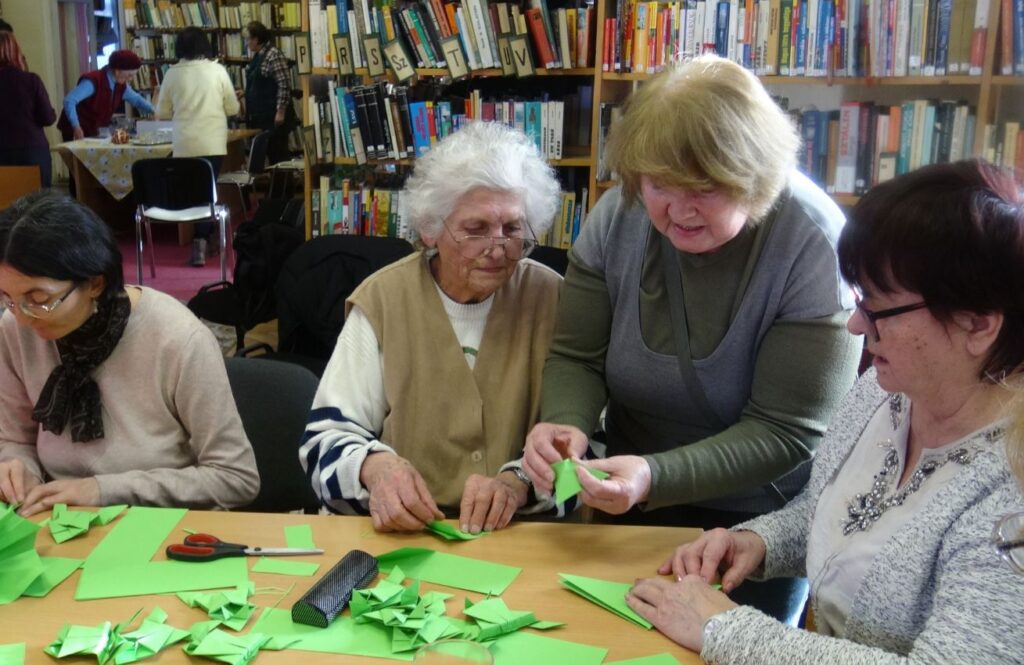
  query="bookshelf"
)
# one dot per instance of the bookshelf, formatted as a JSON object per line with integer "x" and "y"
{"x": 981, "y": 86}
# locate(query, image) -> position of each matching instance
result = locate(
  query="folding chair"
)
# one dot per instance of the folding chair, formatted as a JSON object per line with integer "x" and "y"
{"x": 176, "y": 190}
{"x": 256, "y": 165}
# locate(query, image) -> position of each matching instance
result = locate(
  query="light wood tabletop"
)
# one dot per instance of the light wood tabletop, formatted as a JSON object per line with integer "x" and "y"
{"x": 542, "y": 550}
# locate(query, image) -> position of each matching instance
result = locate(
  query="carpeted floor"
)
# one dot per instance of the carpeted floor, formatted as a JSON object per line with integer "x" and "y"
{"x": 174, "y": 275}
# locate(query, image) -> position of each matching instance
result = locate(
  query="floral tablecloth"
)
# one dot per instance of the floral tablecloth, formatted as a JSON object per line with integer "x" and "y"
{"x": 110, "y": 163}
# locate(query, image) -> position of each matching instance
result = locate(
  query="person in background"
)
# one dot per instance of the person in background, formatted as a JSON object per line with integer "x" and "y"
{"x": 703, "y": 304}
{"x": 435, "y": 379}
{"x": 268, "y": 98}
{"x": 26, "y": 110}
{"x": 5, "y": 26}
{"x": 108, "y": 393}
{"x": 98, "y": 95}
{"x": 198, "y": 95}
{"x": 894, "y": 526}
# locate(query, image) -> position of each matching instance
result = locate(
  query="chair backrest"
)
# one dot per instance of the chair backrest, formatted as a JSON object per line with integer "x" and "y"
{"x": 174, "y": 183}
{"x": 258, "y": 153}
{"x": 17, "y": 181}
{"x": 553, "y": 257}
{"x": 274, "y": 400}
{"x": 314, "y": 283}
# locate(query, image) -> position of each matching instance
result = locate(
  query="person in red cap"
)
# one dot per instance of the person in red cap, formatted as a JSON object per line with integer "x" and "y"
{"x": 99, "y": 94}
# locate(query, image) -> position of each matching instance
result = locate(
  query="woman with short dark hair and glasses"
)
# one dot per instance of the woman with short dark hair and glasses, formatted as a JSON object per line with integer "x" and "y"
{"x": 894, "y": 526}
{"x": 108, "y": 393}
{"x": 435, "y": 379}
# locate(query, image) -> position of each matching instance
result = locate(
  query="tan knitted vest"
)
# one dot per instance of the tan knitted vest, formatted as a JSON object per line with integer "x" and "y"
{"x": 447, "y": 420}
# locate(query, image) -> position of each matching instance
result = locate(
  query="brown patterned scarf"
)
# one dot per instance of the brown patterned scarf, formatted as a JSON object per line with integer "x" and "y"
{"x": 71, "y": 394}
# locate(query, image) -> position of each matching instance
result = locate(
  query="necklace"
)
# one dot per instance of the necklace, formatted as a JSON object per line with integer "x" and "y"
{"x": 865, "y": 509}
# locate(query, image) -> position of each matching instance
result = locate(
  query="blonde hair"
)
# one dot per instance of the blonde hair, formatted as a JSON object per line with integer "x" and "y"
{"x": 708, "y": 123}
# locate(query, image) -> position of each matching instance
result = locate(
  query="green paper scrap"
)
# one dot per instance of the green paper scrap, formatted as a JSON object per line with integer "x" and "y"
{"x": 299, "y": 536}
{"x": 228, "y": 648}
{"x": 451, "y": 570}
{"x": 231, "y": 608}
{"x": 343, "y": 636}
{"x": 567, "y": 483}
{"x": 609, "y": 595}
{"x": 120, "y": 565}
{"x": 107, "y": 514}
{"x": 450, "y": 532}
{"x": 113, "y": 642}
{"x": 55, "y": 570}
{"x": 19, "y": 562}
{"x": 282, "y": 567}
{"x": 523, "y": 647}
{"x": 12, "y": 654}
{"x": 658, "y": 659}
{"x": 66, "y": 524}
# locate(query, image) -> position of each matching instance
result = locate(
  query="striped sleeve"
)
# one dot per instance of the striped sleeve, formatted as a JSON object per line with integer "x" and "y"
{"x": 346, "y": 419}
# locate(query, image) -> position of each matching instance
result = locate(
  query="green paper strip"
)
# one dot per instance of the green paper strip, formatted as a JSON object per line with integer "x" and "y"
{"x": 282, "y": 567}
{"x": 12, "y": 654}
{"x": 136, "y": 538}
{"x": 567, "y": 483}
{"x": 521, "y": 647}
{"x": 658, "y": 659}
{"x": 55, "y": 570}
{"x": 299, "y": 536}
{"x": 609, "y": 595}
{"x": 343, "y": 636}
{"x": 450, "y": 532}
{"x": 450, "y": 569}
{"x": 141, "y": 579}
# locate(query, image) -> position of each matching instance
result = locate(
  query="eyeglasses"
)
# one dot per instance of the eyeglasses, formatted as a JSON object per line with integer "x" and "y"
{"x": 1008, "y": 540}
{"x": 871, "y": 317}
{"x": 471, "y": 246}
{"x": 36, "y": 310}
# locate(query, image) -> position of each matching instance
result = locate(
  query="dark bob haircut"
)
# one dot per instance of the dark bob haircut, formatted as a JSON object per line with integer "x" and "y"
{"x": 258, "y": 31}
{"x": 46, "y": 234}
{"x": 953, "y": 233}
{"x": 192, "y": 44}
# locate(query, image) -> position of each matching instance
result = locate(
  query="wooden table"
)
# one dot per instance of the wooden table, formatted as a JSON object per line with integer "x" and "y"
{"x": 542, "y": 550}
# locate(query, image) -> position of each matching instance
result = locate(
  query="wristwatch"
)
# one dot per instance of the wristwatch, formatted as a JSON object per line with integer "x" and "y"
{"x": 521, "y": 475}
{"x": 710, "y": 626}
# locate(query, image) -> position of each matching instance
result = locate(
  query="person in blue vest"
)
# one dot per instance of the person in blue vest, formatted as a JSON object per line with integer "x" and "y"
{"x": 268, "y": 103}
{"x": 98, "y": 95}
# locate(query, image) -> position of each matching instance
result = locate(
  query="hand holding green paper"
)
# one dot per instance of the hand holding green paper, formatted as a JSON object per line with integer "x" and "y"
{"x": 567, "y": 484}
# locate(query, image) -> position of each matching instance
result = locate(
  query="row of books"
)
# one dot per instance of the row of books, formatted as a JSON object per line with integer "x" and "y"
{"x": 562, "y": 37}
{"x": 272, "y": 15}
{"x": 804, "y": 37}
{"x": 1004, "y": 145}
{"x": 151, "y": 76}
{"x": 160, "y": 47}
{"x": 163, "y": 14}
{"x": 1011, "y": 39}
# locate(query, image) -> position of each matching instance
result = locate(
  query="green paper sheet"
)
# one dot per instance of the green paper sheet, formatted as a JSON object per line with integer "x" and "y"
{"x": 567, "y": 483}
{"x": 19, "y": 562}
{"x": 300, "y": 536}
{"x": 343, "y": 636}
{"x": 121, "y": 564}
{"x": 283, "y": 567}
{"x": 451, "y": 570}
{"x": 12, "y": 654}
{"x": 659, "y": 659}
{"x": 522, "y": 648}
{"x": 450, "y": 532}
{"x": 55, "y": 570}
{"x": 609, "y": 595}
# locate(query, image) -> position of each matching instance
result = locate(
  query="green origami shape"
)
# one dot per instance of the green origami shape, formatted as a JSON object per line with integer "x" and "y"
{"x": 494, "y": 618}
{"x": 19, "y": 563}
{"x": 67, "y": 524}
{"x": 228, "y": 648}
{"x": 111, "y": 642}
{"x": 230, "y": 608}
{"x": 151, "y": 637}
{"x": 55, "y": 570}
{"x": 609, "y": 595}
{"x": 12, "y": 654}
{"x": 451, "y": 532}
{"x": 567, "y": 483}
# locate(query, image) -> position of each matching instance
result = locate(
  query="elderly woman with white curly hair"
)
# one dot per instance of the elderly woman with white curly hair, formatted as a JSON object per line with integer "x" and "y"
{"x": 435, "y": 379}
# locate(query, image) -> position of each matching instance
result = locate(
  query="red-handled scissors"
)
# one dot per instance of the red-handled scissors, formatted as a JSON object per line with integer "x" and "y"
{"x": 204, "y": 547}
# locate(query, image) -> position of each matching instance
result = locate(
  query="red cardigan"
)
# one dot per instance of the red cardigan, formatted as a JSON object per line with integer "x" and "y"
{"x": 96, "y": 111}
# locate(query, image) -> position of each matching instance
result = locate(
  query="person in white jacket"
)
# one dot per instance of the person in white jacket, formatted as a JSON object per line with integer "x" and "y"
{"x": 198, "y": 95}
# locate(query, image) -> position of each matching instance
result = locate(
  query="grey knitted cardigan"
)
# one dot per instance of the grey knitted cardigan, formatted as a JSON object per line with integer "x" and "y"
{"x": 937, "y": 592}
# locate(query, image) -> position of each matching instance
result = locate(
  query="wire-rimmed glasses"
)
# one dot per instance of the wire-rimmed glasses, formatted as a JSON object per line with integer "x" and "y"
{"x": 1008, "y": 540}
{"x": 516, "y": 245}
{"x": 36, "y": 310}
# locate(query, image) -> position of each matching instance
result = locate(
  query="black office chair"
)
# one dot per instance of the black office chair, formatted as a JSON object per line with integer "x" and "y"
{"x": 176, "y": 190}
{"x": 255, "y": 166}
{"x": 274, "y": 400}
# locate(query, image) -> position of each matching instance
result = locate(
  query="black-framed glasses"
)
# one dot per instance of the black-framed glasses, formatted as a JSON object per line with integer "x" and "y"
{"x": 1008, "y": 540}
{"x": 871, "y": 317}
{"x": 472, "y": 246}
{"x": 36, "y": 310}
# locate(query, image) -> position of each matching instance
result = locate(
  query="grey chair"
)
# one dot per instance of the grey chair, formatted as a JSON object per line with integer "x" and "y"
{"x": 274, "y": 400}
{"x": 256, "y": 165}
